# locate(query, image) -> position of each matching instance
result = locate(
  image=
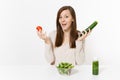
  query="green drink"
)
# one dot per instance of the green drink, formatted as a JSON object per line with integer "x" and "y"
{"x": 95, "y": 67}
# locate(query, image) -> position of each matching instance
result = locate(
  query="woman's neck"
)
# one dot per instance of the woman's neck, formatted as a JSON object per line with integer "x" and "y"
{"x": 67, "y": 33}
{"x": 66, "y": 37}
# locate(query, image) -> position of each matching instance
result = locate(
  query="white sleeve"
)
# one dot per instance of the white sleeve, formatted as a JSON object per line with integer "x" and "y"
{"x": 49, "y": 55}
{"x": 80, "y": 54}
{"x": 49, "y": 50}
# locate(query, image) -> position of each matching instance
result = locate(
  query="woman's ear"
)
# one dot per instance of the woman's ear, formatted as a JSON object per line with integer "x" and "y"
{"x": 72, "y": 20}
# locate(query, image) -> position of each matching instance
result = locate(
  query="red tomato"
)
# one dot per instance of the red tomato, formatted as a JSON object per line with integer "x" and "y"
{"x": 39, "y": 28}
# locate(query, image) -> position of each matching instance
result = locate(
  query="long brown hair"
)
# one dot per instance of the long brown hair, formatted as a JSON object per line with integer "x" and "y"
{"x": 73, "y": 32}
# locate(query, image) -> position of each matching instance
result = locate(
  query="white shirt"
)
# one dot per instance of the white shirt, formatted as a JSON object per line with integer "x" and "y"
{"x": 64, "y": 53}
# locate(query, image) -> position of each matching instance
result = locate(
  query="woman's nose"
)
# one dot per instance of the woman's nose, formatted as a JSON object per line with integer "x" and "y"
{"x": 63, "y": 19}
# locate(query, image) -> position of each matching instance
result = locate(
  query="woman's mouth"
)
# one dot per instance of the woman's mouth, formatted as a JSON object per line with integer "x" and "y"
{"x": 64, "y": 25}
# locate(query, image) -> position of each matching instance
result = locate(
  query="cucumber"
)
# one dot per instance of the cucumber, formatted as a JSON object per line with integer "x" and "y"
{"x": 90, "y": 27}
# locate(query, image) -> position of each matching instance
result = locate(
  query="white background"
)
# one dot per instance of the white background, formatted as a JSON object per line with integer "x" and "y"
{"x": 20, "y": 45}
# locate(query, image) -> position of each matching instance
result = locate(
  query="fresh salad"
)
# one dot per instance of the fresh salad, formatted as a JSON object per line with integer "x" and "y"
{"x": 65, "y": 68}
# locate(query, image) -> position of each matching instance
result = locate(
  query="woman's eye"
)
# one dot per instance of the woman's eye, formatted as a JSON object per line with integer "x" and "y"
{"x": 60, "y": 17}
{"x": 66, "y": 16}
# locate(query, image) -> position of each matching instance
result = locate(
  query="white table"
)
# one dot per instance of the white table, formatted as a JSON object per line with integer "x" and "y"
{"x": 83, "y": 72}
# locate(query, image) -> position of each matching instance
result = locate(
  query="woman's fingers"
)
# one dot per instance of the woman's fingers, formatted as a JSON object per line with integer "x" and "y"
{"x": 42, "y": 35}
{"x": 84, "y": 34}
{"x": 89, "y": 31}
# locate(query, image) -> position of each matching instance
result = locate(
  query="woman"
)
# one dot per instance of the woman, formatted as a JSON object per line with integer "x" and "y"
{"x": 66, "y": 43}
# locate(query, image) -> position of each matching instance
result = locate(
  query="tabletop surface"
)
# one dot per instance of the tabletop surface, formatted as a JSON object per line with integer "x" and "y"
{"x": 82, "y": 72}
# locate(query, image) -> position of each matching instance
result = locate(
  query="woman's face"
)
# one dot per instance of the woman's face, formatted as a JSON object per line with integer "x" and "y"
{"x": 65, "y": 20}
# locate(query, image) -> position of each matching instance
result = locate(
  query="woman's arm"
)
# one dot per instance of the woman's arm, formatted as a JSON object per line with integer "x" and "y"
{"x": 80, "y": 54}
{"x": 49, "y": 55}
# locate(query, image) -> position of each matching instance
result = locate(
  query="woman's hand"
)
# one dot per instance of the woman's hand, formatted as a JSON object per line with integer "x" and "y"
{"x": 83, "y": 35}
{"x": 42, "y": 35}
